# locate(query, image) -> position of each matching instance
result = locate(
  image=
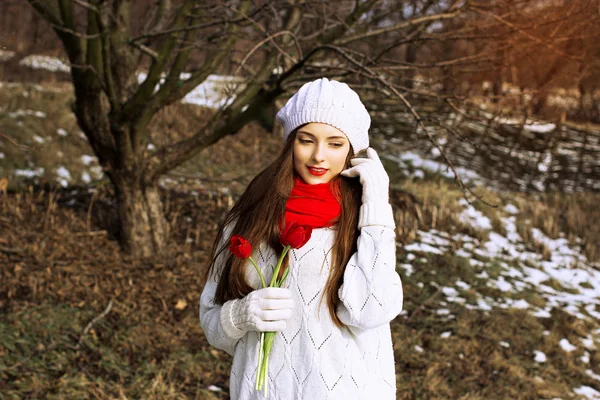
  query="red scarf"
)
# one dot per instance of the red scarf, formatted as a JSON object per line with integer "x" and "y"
{"x": 313, "y": 205}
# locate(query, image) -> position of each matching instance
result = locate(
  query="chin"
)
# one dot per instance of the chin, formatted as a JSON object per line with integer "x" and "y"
{"x": 315, "y": 180}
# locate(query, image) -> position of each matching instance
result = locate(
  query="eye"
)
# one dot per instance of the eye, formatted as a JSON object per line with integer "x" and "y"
{"x": 304, "y": 141}
{"x": 337, "y": 145}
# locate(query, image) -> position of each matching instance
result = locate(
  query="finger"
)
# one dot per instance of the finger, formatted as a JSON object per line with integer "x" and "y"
{"x": 276, "y": 293}
{"x": 272, "y": 326}
{"x": 350, "y": 173}
{"x": 358, "y": 161}
{"x": 276, "y": 304}
{"x": 372, "y": 154}
{"x": 275, "y": 315}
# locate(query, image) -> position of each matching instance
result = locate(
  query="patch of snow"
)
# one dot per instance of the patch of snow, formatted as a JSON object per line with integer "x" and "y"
{"x": 430, "y": 237}
{"x": 422, "y": 247}
{"x": 511, "y": 209}
{"x": 39, "y": 139}
{"x": 6, "y": 55}
{"x": 585, "y": 358}
{"x": 23, "y": 113}
{"x": 501, "y": 284}
{"x": 566, "y": 346}
{"x": 151, "y": 147}
{"x": 471, "y": 216}
{"x": 588, "y": 342}
{"x": 45, "y": 62}
{"x": 87, "y": 160}
{"x": 588, "y": 392}
{"x": 408, "y": 268}
{"x": 62, "y": 132}
{"x": 462, "y": 253}
{"x": 63, "y": 172}
{"x": 85, "y": 177}
{"x": 418, "y": 349}
{"x": 214, "y": 388}
{"x": 2, "y": 156}
{"x": 539, "y": 356}
{"x": 522, "y": 304}
{"x": 64, "y": 176}
{"x": 592, "y": 374}
{"x": 540, "y": 128}
{"x": 446, "y": 335}
{"x": 504, "y": 344}
{"x": 29, "y": 173}
{"x": 419, "y": 163}
{"x": 463, "y": 285}
{"x": 216, "y": 91}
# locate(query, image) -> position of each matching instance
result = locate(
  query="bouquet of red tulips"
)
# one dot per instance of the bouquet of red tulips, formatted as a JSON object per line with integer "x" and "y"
{"x": 293, "y": 236}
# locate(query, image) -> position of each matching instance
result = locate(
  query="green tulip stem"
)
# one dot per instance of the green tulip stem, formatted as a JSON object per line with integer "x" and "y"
{"x": 262, "y": 279}
{"x": 276, "y": 272}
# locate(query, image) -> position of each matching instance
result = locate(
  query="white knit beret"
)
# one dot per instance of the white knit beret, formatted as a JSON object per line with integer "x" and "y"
{"x": 329, "y": 102}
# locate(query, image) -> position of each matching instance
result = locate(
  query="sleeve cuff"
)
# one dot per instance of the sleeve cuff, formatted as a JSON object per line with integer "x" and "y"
{"x": 227, "y": 322}
{"x": 376, "y": 214}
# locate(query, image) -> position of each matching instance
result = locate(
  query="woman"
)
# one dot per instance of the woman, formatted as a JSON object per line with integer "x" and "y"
{"x": 342, "y": 291}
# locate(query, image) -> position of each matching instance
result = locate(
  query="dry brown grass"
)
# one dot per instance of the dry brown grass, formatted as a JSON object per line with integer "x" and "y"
{"x": 576, "y": 215}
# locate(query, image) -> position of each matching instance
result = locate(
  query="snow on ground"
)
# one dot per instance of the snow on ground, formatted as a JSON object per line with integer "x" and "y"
{"x": 588, "y": 392}
{"x": 473, "y": 217}
{"x": 6, "y": 55}
{"x": 564, "y": 278}
{"x": 45, "y": 62}
{"x": 63, "y": 176}
{"x": 216, "y": 91}
{"x": 419, "y": 166}
{"x": 23, "y": 113}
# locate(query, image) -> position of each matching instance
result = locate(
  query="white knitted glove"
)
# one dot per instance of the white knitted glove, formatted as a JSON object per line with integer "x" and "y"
{"x": 263, "y": 310}
{"x": 373, "y": 178}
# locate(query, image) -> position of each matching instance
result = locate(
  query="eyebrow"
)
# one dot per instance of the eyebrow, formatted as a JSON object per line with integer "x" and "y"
{"x": 329, "y": 137}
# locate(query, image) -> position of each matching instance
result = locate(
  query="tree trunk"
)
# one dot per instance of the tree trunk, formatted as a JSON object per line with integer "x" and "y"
{"x": 142, "y": 221}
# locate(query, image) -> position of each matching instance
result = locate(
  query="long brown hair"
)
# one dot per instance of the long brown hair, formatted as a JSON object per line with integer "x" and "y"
{"x": 257, "y": 214}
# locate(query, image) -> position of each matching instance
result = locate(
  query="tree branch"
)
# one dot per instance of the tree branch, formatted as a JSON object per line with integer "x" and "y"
{"x": 136, "y": 103}
{"x": 524, "y": 33}
{"x": 419, "y": 121}
{"x": 401, "y": 25}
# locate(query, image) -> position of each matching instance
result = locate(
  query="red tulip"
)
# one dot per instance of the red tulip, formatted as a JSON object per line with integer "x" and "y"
{"x": 295, "y": 235}
{"x": 240, "y": 247}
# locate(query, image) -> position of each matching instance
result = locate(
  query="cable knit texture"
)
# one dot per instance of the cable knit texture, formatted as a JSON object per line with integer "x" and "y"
{"x": 329, "y": 102}
{"x": 312, "y": 358}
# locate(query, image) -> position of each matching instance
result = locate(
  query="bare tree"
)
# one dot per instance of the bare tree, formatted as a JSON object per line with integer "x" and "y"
{"x": 379, "y": 46}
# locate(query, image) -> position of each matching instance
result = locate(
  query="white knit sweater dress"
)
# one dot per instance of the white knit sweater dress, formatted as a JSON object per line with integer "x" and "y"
{"x": 313, "y": 358}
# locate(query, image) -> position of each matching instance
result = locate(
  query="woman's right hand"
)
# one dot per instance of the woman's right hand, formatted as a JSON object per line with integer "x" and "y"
{"x": 263, "y": 310}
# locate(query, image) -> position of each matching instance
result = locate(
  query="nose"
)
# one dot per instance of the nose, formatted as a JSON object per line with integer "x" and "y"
{"x": 318, "y": 154}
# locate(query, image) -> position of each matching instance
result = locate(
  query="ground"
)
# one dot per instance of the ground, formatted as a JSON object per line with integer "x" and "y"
{"x": 499, "y": 302}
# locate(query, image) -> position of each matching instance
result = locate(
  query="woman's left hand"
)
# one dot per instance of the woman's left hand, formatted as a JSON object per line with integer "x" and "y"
{"x": 373, "y": 178}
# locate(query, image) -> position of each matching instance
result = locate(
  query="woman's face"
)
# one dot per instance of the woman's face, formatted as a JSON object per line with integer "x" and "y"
{"x": 320, "y": 152}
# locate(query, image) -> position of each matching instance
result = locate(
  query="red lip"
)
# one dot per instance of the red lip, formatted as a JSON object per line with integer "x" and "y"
{"x": 317, "y": 171}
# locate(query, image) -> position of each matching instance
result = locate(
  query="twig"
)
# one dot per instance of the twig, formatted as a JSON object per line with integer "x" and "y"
{"x": 419, "y": 120}
{"x": 21, "y": 146}
{"x": 144, "y": 49}
{"x": 422, "y": 306}
{"x": 92, "y": 322}
{"x": 259, "y": 44}
{"x": 11, "y": 250}
{"x": 90, "y": 233}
